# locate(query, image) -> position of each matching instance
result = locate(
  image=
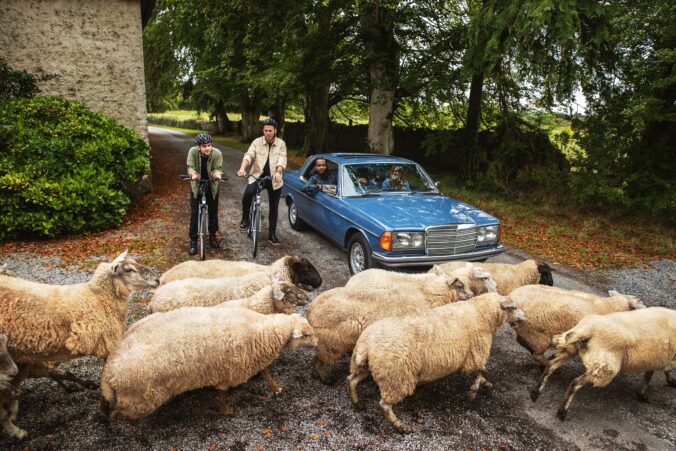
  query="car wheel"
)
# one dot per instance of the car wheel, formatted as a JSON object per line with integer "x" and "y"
{"x": 359, "y": 254}
{"x": 294, "y": 218}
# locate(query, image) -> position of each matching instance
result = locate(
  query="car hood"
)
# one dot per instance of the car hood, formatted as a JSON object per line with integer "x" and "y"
{"x": 417, "y": 211}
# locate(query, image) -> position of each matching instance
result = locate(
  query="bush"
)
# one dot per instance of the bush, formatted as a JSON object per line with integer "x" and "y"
{"x": 16, "y": 83}
{"x": 63, "y": 168}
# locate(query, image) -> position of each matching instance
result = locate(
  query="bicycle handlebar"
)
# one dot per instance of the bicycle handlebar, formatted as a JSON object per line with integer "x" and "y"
{"x": 186, "y": 178}
{"x": 259, "y": 179}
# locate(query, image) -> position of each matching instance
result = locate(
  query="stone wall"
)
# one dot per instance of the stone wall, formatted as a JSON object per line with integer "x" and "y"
{"x": 93, "y": 48}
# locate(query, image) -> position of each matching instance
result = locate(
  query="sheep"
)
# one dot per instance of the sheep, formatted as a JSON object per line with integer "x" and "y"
{"x": 279, "y": 297}
{"x": 8, "y": 392}
{"x": 508, "y": 277}
{"x": 640, "y": 341}
{"x": 193, "y": 347}
{"x": 402, "y": 352}
{"x": 296, "y": 270}
{"x": 341, "y": 314}
{"x": 475, "y": 279}
{"x": 196, "y": 291}
{"x": 49, "y": 324}
{"x": 551, "y": 311}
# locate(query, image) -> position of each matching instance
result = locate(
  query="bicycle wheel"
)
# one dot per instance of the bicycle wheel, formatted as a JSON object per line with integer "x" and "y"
{"x": 255, "y": 229}
{"x": 203, "y": 226}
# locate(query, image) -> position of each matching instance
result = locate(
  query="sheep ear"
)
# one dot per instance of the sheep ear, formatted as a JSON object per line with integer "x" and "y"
{"x": 455, "y": 283}
{"x": 276, "y": 279}
{"x": 297, "y": 333}
{"x": 507, "y": 304}
{"x": 115, "y": 264}
{"x": 479, "y": 273}
{"x": 469, "y": 265}
{"x": 277, "y": 293}
{"x": 613, "y": 293}
{"x": 438, "y": 270}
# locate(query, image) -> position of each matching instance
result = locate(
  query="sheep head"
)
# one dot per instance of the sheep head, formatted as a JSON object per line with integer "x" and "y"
{"x": 8, "y": 369}
{"x": 286, "y": 296}
{"x": 515, "y": 315}
{"x": 457, "y": 286}
{"x": 132, "y": 275}
{"x": 303, "y": 334}
{"x": 633, "y": 303}
{"x": 303, "y": 273}
{"x": 545, "y": 271}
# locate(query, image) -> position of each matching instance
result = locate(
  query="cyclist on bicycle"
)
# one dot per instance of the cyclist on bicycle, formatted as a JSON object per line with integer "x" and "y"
{"x": 266, "y": 156}
{"x": 204, "y": 161}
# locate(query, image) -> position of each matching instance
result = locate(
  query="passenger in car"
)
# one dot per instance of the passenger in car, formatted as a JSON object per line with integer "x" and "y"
{"x": 396, "y": 180}
{"x": 323, "y": 179}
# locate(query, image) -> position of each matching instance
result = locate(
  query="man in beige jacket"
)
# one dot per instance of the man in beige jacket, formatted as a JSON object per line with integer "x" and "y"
{"x": 266, "y": 157}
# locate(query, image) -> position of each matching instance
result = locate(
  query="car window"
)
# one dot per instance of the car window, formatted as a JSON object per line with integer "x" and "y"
{"x": 360, "y": 179}
{"x": 310, "y": 170}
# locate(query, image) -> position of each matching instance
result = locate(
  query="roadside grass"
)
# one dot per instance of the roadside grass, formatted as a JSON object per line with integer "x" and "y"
{"x": 564, "y": 234}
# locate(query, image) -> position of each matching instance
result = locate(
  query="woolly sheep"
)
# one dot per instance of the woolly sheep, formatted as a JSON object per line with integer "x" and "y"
{"x": 474, "y": 279}
{"x": 49, "y": 324}
{"x": 296, "y": 270}
{"x": 551, "y": 311}
{"x": 639, "y": 341}
{"x": 341, "y": 314}
{"x": 8, "y": 392}
{"x": 279, "y": 297}
{"x": 193, "y": 347}
{"x": 402, "y": 352}
{"x": 507, "y": 276}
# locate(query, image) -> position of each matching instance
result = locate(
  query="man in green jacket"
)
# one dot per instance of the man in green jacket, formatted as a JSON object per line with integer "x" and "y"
{"x": 204, "y": 162}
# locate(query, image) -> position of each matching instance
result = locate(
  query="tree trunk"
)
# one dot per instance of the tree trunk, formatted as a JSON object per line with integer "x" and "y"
{"x": 316, "y": 110}
{"x": 382, "y": 55}
{"x": 472, "y": 126}
{"x": 223, "y": 122}
{"x": 251, "y": 111}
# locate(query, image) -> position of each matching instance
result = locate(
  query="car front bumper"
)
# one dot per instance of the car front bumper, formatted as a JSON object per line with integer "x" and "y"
{"x": 421, "y": 260}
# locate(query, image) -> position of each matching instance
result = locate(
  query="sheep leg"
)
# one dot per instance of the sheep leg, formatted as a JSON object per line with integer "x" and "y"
{"x": 61, "y": 376}
{"x": 351, "y": 385}
{"x": 478, "y": 382}
{"x": 389, "y": 414}
{"x": 557, "y": 360}
{"x": 271, "y": 382}
{"x": 574, "y": 386}
{"x": 226, "y": 408}
{"x": 320, "y": 368}
{"x": 670, "y": 379}
{"x": 644, "y": 386}
{"x": 7, "y": 417}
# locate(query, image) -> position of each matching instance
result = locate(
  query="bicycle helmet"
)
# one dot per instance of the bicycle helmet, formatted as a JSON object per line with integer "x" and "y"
{"x": 203, "y": 138}
{"x": 270, "y": 121}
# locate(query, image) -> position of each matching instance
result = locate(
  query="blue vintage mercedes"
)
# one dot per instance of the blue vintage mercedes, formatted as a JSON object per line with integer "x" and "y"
{"x": 387, "y": 211}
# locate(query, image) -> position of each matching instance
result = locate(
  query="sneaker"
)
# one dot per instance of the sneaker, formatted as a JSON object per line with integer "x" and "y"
{"x": 272, "y": 237}
{"x": 244, "y": 225}
{"x": 213, "y": 242}
{"x": 193, "y": 247}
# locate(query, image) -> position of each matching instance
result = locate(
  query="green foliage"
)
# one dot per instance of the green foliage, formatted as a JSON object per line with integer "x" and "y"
{"x": 63, "y": 168}
{"x": 16, "y": 83}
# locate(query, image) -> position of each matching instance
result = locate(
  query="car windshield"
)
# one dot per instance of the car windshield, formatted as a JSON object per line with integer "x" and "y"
{"x": 372, "y": 178}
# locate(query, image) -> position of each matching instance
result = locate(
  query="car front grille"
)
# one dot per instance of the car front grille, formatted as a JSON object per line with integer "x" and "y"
{"x": 450, "y": 239}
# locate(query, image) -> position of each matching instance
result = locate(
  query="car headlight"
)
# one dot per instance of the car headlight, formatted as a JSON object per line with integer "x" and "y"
{"x": 408, "y": 240}
{"x": 487, "y": 235}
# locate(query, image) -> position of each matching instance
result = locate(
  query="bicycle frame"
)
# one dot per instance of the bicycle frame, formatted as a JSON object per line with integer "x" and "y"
{"x": 256, "y": 214}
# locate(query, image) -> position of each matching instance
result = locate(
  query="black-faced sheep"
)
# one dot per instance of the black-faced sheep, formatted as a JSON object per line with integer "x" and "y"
{"x": 193, "y": 347}
{"x": 341, "y": 314}
{"x": 401, "y": 353}
{"x": 507, "y": 276}
{"x": 639, "y": 341}
{"x": 296, "y": 270}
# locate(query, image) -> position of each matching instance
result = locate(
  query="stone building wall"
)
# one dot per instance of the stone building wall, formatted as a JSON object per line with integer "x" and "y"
{"x": 93, "y": 48}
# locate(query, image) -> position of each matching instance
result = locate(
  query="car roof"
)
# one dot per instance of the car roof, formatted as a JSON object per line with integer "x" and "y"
{"x": 363, "y": 158}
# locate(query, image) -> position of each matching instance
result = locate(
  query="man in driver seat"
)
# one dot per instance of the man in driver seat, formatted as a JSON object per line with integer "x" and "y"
{"x": 323, "y": 179}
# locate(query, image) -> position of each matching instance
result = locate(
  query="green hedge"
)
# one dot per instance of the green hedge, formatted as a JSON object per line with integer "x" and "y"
{"x": 63, "y": 168}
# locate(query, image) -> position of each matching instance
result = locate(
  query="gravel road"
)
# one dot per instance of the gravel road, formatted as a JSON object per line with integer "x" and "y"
{"x": 309, "y": 414}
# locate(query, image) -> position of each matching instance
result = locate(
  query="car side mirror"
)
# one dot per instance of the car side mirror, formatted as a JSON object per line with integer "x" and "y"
{"x": 437, "y": 184}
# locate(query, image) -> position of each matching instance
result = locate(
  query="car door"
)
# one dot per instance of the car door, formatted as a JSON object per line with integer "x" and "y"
{"x": 327, "y": 216}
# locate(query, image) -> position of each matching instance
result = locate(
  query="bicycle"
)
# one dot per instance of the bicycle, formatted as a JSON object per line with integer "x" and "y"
{"x": 202, "y": 214}
{"x": 256, "y": 214}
